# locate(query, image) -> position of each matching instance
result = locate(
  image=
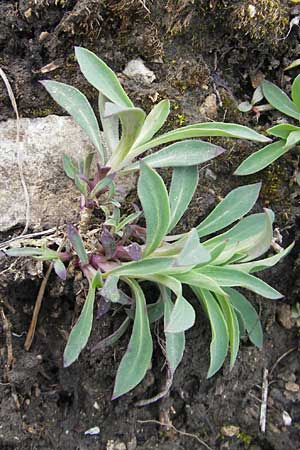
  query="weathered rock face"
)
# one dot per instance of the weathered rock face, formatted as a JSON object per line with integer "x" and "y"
{"x": 53, "y": 197}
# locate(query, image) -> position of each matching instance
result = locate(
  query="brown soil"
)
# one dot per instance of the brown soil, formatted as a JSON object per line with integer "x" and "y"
{"x": 194, "y": 52}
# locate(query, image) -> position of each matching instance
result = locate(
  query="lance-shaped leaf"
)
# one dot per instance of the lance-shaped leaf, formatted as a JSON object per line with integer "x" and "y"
{"x": 229, "y": 277}
{"x": 262, "y": 241}
{"x": 282, "y": 130}
{"x": 110, "y": 124}
{"x": 154, "y": 121}
{"x": 266, "y": 263}
{"x": 143, "y": 267}
{"x": 296, "y": 92}
{"x": 81, "y": 331}
{"x": 263, "y": 158}
{"x": 234, "y": 206}
{"x": 181, "y": 154}
{"x": 114, "y": 337}
{"x": 175, "y": 342}
{"x": 60, "y": 269}
{"x": 77, "y": 105}
{"x": 137, "y": 358}
{"x": 279, "y": 100}
{"x": 154, "y": 198}
{"x": 24, "y": 251}
{"x": 155, "y": 310}
{"x": 232, "y": 325}
{"x": 202, "y": 130}
{"x": 219, "y": 330}
{"x": 196, "y": 278}
{"x": 132, "y": 120}
{"x": 183, "y": 314}
{"x": 293, "y": 139}
{"x": 101, "y": 77}
{"x": 183, "y": 186}
{"x": 69, "y": 167}
{"x": 110, "y": 289}
{"x": 192, "y": 253}
{"x": 77, "y": 244}
{"x": 248, "y": 315}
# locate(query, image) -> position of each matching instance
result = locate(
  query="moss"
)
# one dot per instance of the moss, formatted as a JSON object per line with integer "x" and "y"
{"x": 245, "y": 438}
{"x": 262, "y": 20}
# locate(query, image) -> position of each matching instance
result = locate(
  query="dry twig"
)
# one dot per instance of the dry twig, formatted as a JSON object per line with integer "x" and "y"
{"x": 10, "y": 358}
{"x": 264, "y": 400}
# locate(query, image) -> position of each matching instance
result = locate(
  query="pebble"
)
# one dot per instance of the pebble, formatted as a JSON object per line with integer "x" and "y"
{"x": 137, "y": 71}
{"x": 92, "y": 431}
{"x": 287, "y": 420}
{"x": 292, "y": 387}
{"x": 230, "y": 430}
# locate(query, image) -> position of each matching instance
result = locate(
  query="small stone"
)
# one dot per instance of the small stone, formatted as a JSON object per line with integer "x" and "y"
{"x": 208, "y": 109}
{"x": 292, "y": 387}
{"x": 287, "y": 420}
{"x": 230, "y": 430}
{"x": 96, "y": 406}
{"x": 137, "y": 71}
{"x": 43, "y": 36}
{"x": 92, "y": 431}
{"x": 285, "y": 317}
{"x": 115, "y": 445}
{"x": 28, "y": 13}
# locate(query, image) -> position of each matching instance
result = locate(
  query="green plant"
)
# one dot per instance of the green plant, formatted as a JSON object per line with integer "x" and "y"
{"x": 121, "y": 254}
{"x": 288, "y": 134}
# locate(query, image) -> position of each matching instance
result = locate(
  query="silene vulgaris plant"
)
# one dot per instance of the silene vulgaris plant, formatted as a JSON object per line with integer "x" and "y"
{"x": 119, "y": 253}
{"x": 287, "y": 134}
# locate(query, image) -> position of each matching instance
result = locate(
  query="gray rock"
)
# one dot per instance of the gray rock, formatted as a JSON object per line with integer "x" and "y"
{"x": 137, "y": 71}
{"x": 53, "y": 197}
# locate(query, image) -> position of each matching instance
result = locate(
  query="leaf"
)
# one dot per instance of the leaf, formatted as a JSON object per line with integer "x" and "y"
{"x": 101, "y": 77}
{"x": 154, "y": 121}
{"x": 257, "y": 95}
{"x": 245, "y": 107}
{"x": 69, "y": 167}
{"x": 296, "y": 92}
{"x": 114, "y": 337}
{"x": 81, "y": 331}
{"x": 295, "y": 63}
{"x": 232, "y": 325}
{"x": 110, "y": 125}
{"x": 78, "y": 106}
{"x": 97, "y": 280}
{"x": 262, "y": 241}
{"x": 229, "y": 277}
{"x": 137, "y": 358}
{"x": 102, "y": 184}
{"x": 249, "y": 316}
{"x": 181, "y": 154}
{"x": 110, "y": 289}
{"x": 279, "y": 100}
{"x": 263, "y": 158}
{"x": 283, "y": 130}
{"x": 266, "y": 263}
{"x": 143, "y": 267}
{"x": 193, "y": 252}
{"x": 77, "y": 244}
{"x": 60, "y": 269}
{"x": 175, "y": 342}
{"x": 203, "y": 130}
{"x": 219, "y": 331}
{"x": 197, "y": 279}
{"x": 183, "y": 185}
{"x": 155, "y": 310}
{"x": 132, "y": 120}
{"x": 235, "y": 205}
{"x": 155, "y": 203}
{"x": 293, "y": 139}
{"x": 24, "y": 251}
{"x": 81, "y": 185}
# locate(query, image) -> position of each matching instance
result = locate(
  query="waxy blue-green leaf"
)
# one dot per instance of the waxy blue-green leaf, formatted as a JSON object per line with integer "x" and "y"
{"x": 282, "y": 130}
{"x": 192, "y": 253}
{"x": 137, "y": 358}
{"x": 219, "y": 331}
{"x": 132, "y": 120}
{"x": 77, "y": 244}
{"x": 196, "y": 278}
{"x": 102, "y": 184}
{"x": 249, "y": 316}
{"x": 229, "y": 277}
{"x": 296, "y": 92}
{"x": 143, "y": 267}
{"x": 261, "y": 242}
{"x": 262, "y": 264}
{"x": 155, "y": 310}
{"x": 154, "y": 198}
{"x": 60, "y": 269}
{"x": 175, "y": 342}
{"x": 24, "y": 251}
{"x": 81, "y": 185}
{"x": 114, "y": 337}
{"x": 69, "y": 167}
{"x": 153, "y": 122}
{"x": 110, "y": 124}
{"x": 101, "y": 77}
{"x": 279, "y": 100}
{"x": 81, "y": 331}
{"x": 293, "y": 139}
{"x": 110, "y": 289}
{"x": 234, "y": 206}
{"x": 263, "y": 158}
{"x": 207, "y": 129}
{"x": 77, "y": 105}
{"x": 232, "y": 325}
{"x": 183, "y": 185}
{"x": 181, "y": 154}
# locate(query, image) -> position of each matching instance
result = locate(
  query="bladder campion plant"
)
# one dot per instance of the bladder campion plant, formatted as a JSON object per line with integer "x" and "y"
{"x": 288, "y": 134}
{"x": 213, "y": 259}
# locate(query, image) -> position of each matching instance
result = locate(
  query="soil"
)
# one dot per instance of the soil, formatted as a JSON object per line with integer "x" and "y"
{"x": 195, "y": 49}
